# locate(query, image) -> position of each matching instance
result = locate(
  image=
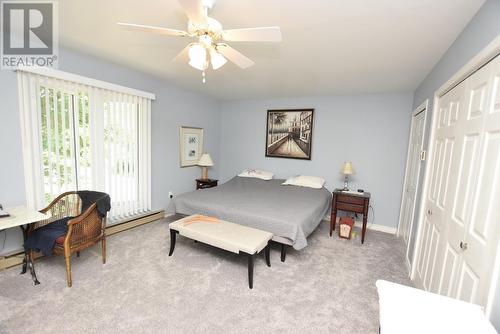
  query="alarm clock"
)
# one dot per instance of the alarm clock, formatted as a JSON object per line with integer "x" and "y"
{"x": 345, "y": 227}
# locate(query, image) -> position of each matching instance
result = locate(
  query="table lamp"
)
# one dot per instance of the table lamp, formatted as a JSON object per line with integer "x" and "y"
{"x": 347, "y": 170}
{"x": 205, "y": 162}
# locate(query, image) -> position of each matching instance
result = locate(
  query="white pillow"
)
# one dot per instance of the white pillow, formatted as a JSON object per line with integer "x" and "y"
{"x": 305, "y": 181}
{"x": 259, "y": 174}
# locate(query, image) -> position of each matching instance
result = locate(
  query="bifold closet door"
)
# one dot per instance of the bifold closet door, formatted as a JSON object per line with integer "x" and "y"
{"x": 479, "y": 179}
{"x": 412, "y": 177}
{"x": 460, "y": 229}
{"x": 437, "y": 203}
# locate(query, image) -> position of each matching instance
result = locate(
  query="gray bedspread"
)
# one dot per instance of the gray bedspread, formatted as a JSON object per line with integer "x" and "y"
{"x": 289, "y": 212}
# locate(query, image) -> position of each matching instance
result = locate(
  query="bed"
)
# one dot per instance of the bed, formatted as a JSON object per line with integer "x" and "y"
{"x": 291, "y": 213}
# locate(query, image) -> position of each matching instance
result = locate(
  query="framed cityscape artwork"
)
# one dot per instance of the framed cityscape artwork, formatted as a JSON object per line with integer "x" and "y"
{"x": 289, "y": 133}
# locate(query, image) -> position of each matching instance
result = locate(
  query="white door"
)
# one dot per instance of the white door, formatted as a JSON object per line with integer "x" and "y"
{"x": 412, "y": 176}
{"x": 434, "y": 225}
{"x": 476, "y": 218}
{"x": 461, "y": 227}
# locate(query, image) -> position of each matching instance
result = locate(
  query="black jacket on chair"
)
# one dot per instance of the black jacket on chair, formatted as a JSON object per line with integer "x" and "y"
{"x": 43, "y": 239}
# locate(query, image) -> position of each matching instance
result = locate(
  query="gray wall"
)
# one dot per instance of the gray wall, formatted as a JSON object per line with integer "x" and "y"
{"x": 173, "y": 107}
{"x": 479, "y": 32}
{"x": 369, "y": 130}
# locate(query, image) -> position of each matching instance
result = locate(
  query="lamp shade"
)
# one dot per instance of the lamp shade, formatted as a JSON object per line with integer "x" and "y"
{"x": 197, "y": 56}
{"x": 205, "y": 160}
{"x": 347, "y": 168}
{"x": 217, "y": 59}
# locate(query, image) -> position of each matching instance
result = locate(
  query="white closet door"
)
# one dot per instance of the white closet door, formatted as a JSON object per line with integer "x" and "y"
{"x": 437, "y": 204}
{"x": 412, "y": 177}
{"x": 481, "y": 176}
{"x": 460, "y": 230}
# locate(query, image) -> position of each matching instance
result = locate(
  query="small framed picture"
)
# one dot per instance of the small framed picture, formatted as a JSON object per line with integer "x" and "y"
{"x": 190, "y": 145}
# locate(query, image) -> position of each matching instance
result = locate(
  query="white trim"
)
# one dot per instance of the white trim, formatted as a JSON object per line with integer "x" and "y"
{"x": 50, "y": 72}
{"x": 408, "y": 266}
{"x": 485, "y": 55}
{"x": 373, "y": 227}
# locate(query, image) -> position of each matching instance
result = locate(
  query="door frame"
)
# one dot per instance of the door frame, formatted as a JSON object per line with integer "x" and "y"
{"x": 422, "y": 108}
{"x": 477, "y": 62}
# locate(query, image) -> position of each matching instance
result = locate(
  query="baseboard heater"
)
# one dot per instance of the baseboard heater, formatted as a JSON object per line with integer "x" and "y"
{"x": 16, "y": 257}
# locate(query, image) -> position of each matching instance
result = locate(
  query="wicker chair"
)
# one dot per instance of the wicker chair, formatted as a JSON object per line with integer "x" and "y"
{"x": 85, "y": 230}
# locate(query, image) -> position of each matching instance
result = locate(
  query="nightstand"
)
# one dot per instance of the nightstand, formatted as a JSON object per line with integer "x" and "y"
{"x": 206, "y": 183}
{"x": 350, "y": 202}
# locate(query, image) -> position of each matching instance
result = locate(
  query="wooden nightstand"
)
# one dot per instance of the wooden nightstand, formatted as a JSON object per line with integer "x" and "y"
{"x": 206, "y": 183}
{"x": 350, "y": 202}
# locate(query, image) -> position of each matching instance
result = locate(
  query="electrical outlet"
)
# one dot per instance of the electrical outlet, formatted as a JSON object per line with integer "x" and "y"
{"x": 170, "y": 194}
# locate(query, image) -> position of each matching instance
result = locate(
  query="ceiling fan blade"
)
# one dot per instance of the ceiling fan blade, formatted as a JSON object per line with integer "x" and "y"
{"x": 158, "y": 30}
{"x": 262, "y": 34}
{"x": 183, "y": 56}
{"x": 195, "y": 11}
{"x": 234, "y": 56}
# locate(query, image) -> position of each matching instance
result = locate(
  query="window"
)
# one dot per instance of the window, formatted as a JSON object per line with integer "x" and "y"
{"x": 65, "y": 141}
{"x": 78, "y": 136}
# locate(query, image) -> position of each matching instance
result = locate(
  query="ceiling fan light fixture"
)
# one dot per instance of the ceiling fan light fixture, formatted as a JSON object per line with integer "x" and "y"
{"x": 206, "y": 41}
{"x": 217, "y": 59}
{"x": 210, "y": 47}
{"x": 197, "y": 57}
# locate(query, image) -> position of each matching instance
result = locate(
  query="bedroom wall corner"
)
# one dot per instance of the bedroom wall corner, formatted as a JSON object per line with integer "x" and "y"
{"x": 370, "y": 130}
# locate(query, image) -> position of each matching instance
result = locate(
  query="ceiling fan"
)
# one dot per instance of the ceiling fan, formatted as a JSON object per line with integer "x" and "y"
{"x": 211, "y": 49}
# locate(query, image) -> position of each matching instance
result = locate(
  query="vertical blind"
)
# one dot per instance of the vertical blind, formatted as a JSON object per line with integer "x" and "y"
{"x": 78, "y": 136}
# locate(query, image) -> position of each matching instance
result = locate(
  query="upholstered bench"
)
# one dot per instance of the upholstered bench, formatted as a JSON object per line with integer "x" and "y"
{"x": 224, "y": 235}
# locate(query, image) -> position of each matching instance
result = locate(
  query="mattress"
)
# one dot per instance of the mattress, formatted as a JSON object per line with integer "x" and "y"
{"x": 289, "y": 212}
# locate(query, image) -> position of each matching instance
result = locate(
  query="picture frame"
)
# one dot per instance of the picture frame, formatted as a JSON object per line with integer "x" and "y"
{"x": 190, "y": 145}
{"x": 289, "y": 133}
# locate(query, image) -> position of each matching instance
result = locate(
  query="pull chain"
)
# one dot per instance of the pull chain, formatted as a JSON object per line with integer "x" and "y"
{"x": 203, "y": 77}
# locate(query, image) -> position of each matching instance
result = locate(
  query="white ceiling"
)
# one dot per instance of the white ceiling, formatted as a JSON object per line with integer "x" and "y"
{"x": 329, "y": 46}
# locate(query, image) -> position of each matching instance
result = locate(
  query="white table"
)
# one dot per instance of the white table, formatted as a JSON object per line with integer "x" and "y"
{"x": 22, "y": 216}
{"x": 408, "y": 310}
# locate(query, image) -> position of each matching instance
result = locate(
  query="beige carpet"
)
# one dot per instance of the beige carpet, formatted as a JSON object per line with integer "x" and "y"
{"x": 328, "y": 287}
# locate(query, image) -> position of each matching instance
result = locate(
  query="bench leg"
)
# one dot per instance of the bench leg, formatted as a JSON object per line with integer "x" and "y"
{"x": 172, "y": 241}
{"x": 250, "y": 271}
{"x": 283, "y": 252}
{"x": 268, "y": 254}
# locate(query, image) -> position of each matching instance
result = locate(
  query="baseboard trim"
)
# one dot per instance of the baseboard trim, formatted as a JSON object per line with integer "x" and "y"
{"x": 127, "y": 225}
{"x": 374, "y": 227}
{"x": 11, "y": 261}
{"x": 16, "y": 259}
